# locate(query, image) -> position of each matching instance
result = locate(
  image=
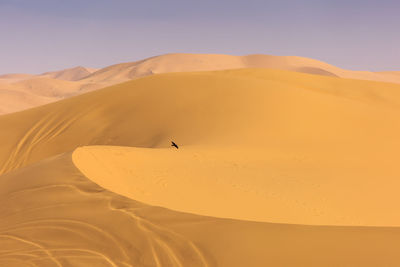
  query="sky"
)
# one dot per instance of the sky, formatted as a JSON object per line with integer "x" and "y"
{"x": 45, "y": 35}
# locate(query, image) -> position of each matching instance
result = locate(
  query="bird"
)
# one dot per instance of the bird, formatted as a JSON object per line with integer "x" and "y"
{"x": 174, "y": 145}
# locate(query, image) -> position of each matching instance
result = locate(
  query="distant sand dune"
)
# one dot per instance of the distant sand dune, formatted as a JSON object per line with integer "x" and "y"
{"x": 78, "y": 80}
{"x": 48, "y": 87}
{"x": 10, "y": 78}
{"x": 209, "y": 62}
{"x": 14, "y": 100}
{"x": 72, "y": 74}
{"x": 317, "y": 71}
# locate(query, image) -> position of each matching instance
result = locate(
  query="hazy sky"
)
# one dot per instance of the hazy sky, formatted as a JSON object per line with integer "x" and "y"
{"x": 43, "y": 35}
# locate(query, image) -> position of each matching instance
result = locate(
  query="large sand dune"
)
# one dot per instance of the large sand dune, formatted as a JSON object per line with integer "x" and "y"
{"x": 302, "y": 135}
{"x": 265, "y": 158}
{"x": 78, "y": 80}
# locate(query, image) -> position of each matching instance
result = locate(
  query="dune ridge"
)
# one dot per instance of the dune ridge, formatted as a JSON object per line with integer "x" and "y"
{"x": 211, "y": 62}
{"x": 79, "y": 80}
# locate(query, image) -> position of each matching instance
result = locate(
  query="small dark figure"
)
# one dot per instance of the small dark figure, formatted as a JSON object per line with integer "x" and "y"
{"x": 174, "y": 145}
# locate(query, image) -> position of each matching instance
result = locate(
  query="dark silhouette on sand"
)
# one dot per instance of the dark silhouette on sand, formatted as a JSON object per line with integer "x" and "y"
{"x": 174, "y": 145}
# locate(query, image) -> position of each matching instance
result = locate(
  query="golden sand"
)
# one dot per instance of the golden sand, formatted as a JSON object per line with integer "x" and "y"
{"x": 275, "y": 168}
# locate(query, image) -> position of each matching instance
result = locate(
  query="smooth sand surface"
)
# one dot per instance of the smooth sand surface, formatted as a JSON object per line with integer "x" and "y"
{"x": 75, "y": 81}
{"x": 257, "y": 185}
{"x": 289, "y": 150}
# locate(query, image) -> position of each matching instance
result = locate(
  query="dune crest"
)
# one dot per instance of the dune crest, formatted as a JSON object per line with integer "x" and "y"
{"x": 273, "y": 186}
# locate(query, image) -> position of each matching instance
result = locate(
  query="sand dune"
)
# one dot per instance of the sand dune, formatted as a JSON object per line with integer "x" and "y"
{"x": 32, "y": 92}
{"x": 304, "y": 136}
{"x": 79, "y": 80}
{"x": 72, "y": 74}
{"x": 52, "y": 215}
{"x": 48, "y": 87}
{"x": 289, "y": 150}
{"x": 15, "y": 77}
{"x": 13, "y": 100}
{"x": 208, "y": 62}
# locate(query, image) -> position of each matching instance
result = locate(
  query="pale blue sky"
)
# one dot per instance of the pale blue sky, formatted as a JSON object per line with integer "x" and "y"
{"x": 43, "y": 35}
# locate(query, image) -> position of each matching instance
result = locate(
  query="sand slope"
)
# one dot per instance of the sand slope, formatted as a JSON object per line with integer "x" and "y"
{"x": 52, "y": 215}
